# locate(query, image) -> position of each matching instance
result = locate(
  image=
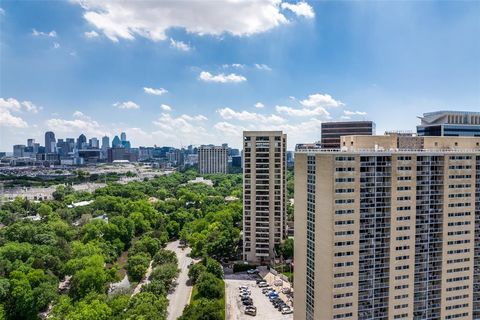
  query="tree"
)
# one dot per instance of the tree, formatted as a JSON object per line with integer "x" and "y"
{"x": 165, "y": 273}
{"x": 165, "y": 256}
{"x": 203, "y": 309}
{"x": 173, "y": 229}
{"x": 146, "y": 305}
{"x": 137, "y": 266}
{"x": 195, "y": 271}
{"x": 213, "y": 266}
{"x": 209, "y": 286}
{"x": 88, "y": 280}
{"x": 146, "y": 244}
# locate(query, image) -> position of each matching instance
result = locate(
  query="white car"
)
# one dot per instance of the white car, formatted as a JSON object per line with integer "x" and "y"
{"x": 263, "y": 285}
{"x": 287, "y": 310}
{"x": 244, "y": 294}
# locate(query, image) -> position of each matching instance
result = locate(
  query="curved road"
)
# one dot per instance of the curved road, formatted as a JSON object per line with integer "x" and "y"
{"x": 180, "y": 297}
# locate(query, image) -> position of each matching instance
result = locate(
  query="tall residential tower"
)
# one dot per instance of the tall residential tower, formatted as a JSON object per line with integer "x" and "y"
{"x": 264, "y": 207}
{"x": 212, "y": 159}
{"x": 388, "y": 228}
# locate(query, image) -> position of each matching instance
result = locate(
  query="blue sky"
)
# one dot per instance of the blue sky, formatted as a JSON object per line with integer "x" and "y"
{"x": 179, "y": 73}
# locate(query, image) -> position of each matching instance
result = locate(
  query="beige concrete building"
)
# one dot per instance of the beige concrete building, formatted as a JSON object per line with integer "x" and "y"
{"x": 264, "y": 195}
{"x": 212, "y": 159}
{"x": 388, "y": 228}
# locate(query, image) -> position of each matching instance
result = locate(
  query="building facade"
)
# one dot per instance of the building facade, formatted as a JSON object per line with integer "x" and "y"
{"x": 388, "y": 228}
{"x": 50, "y": 142}
{"x": 332, "y": 131}
{"x": 264, "y": 198}
{"x": 450, "y": 123}
{"x": 212, "y": 159}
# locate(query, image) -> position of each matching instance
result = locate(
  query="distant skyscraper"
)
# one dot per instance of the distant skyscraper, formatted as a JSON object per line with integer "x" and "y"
{"x": 81, "y": 142}
{"x": 93, "y": 143}
{"x": 450, "y": 123}
{"x": 50, "y": 142}
{"x": 123, "y": 136}
{"x": 18, "y": 150}
{"x": 105, "y": 146}
{"x": 213, "y": 159}
{"x": 332, "y": 131}
{"x": 30, "y": 142}
{"x": 116, "y": 143}
{"x": 69, "y": 144}
{"x": 264, "y": 202}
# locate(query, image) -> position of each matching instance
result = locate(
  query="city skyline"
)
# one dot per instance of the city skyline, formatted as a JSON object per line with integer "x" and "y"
{"x": 177, "y": 84}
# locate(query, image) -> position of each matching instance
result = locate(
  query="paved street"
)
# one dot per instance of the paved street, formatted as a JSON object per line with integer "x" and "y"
{"x": 235, "y": 309}
{"x": 180, "y": 297}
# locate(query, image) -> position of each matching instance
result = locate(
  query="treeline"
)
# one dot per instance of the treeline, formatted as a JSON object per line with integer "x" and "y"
{"x": 83, "y": 250}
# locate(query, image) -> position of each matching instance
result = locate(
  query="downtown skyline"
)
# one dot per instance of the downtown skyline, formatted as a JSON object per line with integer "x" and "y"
{"x": 289, "y": 67}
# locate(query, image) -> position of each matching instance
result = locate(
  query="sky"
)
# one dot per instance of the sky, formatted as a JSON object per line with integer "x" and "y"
{"x": 195, "y": 72}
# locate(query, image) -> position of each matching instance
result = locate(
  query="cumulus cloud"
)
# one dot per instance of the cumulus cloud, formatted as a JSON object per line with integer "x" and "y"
{"x": 184, "y": 128}
{"x": 91, "y": 34}
{"x": 320, "y": 100}
{"x": 126, "y": 105}
{"x": 230, "y": 114}
{"x": 56, "y": 45}
{"x": 301, "y": 9}
{"x": 259, "y": 105}
{"x": 10, "y": 106}
{"x": 155, "y": 92}
{"x": 221, "y": 78}
{"x": 166, "y": 107}
{"x": 262, "y": 66}
{"x": 303, "y": 112}
{"x": 51, "y": 34}
{"x": 179, "y": 45}
{"x": 128, "y": 19}
{"x": 354, "y": 113}
{"x": 75, "y": 126}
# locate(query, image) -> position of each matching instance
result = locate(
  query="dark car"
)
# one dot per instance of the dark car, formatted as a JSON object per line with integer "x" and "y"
{"x": 247, "y": 302}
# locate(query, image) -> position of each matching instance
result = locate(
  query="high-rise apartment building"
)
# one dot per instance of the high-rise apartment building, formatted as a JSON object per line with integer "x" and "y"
{"x": 450, "y": 123}
{"x": 388, "y": 228}
{"x": 212, "y": 159}
{"x": 332, "y": 131}
{"x": 50, "y": 142}
{"x": 264, "y": 196}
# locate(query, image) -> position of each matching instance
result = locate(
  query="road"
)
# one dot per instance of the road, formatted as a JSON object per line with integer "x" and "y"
{"x": 180, "y": 297}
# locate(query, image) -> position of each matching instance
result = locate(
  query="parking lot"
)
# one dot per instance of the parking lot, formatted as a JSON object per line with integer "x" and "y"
{"x": 234, "y": 306}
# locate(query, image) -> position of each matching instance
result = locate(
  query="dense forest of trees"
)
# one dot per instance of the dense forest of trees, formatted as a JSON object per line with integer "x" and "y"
{"x": 85, "y": 249}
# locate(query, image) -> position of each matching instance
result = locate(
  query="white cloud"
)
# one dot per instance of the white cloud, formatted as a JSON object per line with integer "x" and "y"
{"x": 179, "y": 45}
{"x": 230, "y": 114}
{"x": 262, "y": 67}
{"x": 301, "y": 9}
{"x": 156, "y": 92}
{"x": 80, "y": 115}
{"x": 259, "y": 105}
{"x": 221, "y": 78}
{"x": 354, "y": 113}
{"x": 9, "y": 120}
{"x": 56, "y": 45}
{"x": 51, "y": 34}
{"x": 320, "y": 100}
{"x": 303, "y": 112}
{"x": 183, "y": 129}
{"x": 83, "y": 124}
{"x": 128, "y": 19}
{"x": 126, "y": 105}
{"x": 166, "y": 107}
{"x": 91, "y": 34}
{"x": 12, "y": 104}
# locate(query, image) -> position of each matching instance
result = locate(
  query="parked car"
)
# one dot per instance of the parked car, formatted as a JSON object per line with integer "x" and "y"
{"x": 263, "y": 285}
{"x": 245, "y": 298}
{"x": 251, "y": 310}
{"x": 287, "y": 310}
{"x": 286, "y": 290}
{"x": 243, "y": 288}
{"x": 265, "y": 290}
{"x": 252, "y": 271}
{"x": 244, "y": 294}
{"x": 247, "y": 302}
{"x": 260, "y": 280}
